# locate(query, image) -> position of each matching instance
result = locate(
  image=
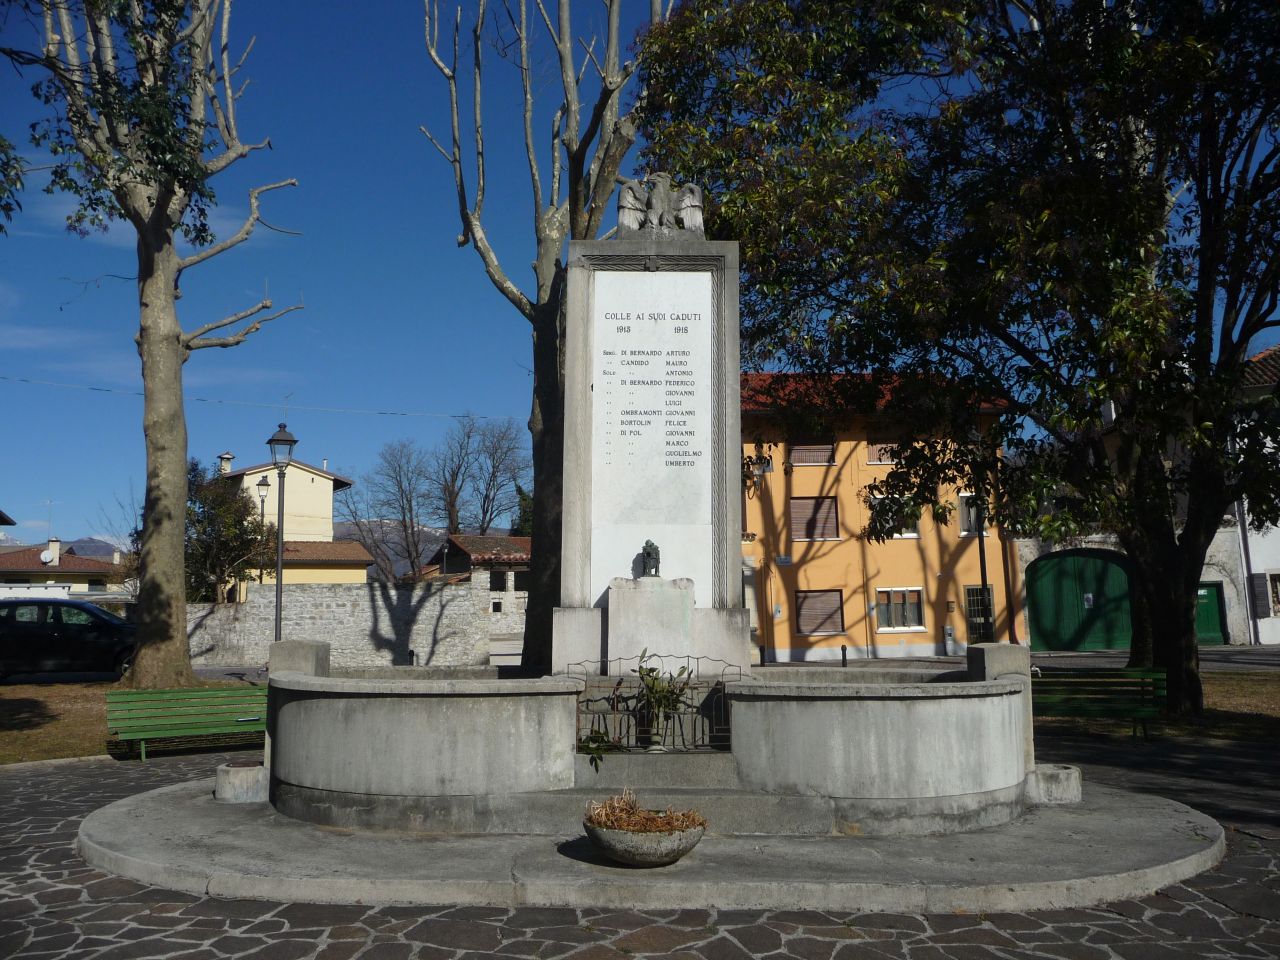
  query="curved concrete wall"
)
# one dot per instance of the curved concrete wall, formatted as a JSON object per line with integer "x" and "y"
{"x": 339, "y": 740}
{"x": 880, "y": 741}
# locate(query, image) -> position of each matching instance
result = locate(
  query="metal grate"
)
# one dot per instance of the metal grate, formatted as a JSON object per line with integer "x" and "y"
{"x": 614, "y": 713}
{"x": 978, "y": 613}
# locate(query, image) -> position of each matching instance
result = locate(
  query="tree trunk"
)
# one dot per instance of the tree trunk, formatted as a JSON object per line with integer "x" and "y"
{"x": 163, "y": 659}
{"x": 546, "y": 425}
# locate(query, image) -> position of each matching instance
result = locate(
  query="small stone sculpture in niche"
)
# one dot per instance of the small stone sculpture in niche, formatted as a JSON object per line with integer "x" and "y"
{"x": 650, "y": 557}
{"x": 653, "y": 207}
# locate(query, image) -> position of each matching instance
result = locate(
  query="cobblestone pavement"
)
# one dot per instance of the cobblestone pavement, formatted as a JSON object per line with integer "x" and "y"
{"x": 52, "y": 905}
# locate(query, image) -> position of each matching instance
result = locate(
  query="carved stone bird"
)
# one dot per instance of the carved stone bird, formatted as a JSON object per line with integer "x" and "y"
{"x": 632, "y": 201}
{"x": 689, "y": 208}
{"x": 662, "y": 211}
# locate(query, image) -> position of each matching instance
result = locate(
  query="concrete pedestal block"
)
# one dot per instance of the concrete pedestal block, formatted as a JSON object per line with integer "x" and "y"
{"x": 652, "y": 614}
{"x": 991, "y": 661}
{"x": 241, "y": 781}
{"x": 300, "y": 656}
{"x": 577, "y": 635}
{"x": 1054, "y": 783}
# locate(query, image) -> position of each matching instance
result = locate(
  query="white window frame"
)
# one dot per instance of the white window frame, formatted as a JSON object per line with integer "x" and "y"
{"x": 899, "y": 534}
{"x": 921, "y": 628}
{"x": 960, "y": 498}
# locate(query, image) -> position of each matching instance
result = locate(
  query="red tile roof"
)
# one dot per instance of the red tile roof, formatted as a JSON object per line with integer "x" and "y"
{"x": 27, "y": 560}
{"x": 765, "y": 392}
{"x": 325, "y": 552}
{"x": 489, "y": 549}
{"x": 1263, "y": 369}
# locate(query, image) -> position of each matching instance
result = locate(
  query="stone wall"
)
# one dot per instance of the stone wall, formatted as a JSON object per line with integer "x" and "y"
{"x": 365, "y": 624}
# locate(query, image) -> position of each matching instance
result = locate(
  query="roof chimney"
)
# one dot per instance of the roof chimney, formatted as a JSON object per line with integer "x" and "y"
{"x": 55, "y": 551}
{"x": 115, "y": 557}
{"x": 324, "y": 464}
{"x": 224, "y": 462}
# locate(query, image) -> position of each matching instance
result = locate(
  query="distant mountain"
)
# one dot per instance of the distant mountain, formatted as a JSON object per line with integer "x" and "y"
{"x": 8, "y": 541}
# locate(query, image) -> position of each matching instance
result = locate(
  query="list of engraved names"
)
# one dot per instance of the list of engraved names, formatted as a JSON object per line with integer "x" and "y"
{"x": 652, "y": 393}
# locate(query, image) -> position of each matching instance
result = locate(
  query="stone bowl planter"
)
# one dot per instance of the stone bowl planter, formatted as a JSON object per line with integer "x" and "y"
{"x": 648, "y": 849}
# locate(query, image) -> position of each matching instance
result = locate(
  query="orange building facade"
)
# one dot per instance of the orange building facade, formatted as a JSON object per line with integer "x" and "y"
{"x": 823, "y": 590}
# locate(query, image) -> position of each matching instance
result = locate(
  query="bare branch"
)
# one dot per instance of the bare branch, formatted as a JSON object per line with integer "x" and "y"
{"x": 590, "y": 51}
{"x": 241, "y": 235}
{"x": 196, "y": 340}
{"x": 526, "y": 87}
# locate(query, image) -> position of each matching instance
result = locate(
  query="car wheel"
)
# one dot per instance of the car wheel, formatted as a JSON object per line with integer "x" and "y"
{"x": 123, "y": 663}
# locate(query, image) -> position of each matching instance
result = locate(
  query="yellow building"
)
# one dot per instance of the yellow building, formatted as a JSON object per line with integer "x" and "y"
{"x": 311, "y": 555}
{"x": 820, "y": 585}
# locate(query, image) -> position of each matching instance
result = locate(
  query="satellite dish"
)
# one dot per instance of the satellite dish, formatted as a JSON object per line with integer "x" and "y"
{"x": 46, "y": 556}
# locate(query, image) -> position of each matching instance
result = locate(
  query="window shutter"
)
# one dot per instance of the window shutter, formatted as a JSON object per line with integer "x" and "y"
{"x": 819, "y": 611}
{"x": 814, "y": 518}
{"x": 813, "y": 453}
{"x": 1259, "y": 597}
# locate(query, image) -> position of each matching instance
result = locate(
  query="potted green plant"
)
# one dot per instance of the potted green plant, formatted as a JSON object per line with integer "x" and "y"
{"x": 624, "y": 831}
{"x": 661, "y": 697}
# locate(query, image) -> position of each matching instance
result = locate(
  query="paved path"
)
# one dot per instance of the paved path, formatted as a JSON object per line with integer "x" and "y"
{"x": 52, "y": 905}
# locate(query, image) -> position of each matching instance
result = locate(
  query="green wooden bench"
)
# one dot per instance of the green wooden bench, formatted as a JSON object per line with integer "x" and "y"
{"x": 1134, "y": 695}
{"x": 142, "y": 715}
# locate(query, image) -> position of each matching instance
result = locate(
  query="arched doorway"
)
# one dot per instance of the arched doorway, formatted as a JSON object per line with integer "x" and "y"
{"x": 1079, "y": 600}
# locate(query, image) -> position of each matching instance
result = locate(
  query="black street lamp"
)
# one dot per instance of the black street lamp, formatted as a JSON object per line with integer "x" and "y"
{"x": 281, "y": 443}
{"x": 264, "y": 487}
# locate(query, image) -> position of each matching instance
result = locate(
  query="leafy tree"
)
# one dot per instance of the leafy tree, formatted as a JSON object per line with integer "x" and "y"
{"x": 1043, "y": 228}
{"x": 570, "y": 185}
{"x": 226, "y": 539}
{"x": 523, "y": 526}
{"x": 143, "y": 100}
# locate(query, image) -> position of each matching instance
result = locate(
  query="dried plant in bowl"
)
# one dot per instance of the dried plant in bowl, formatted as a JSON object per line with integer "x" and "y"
{"x": 626, "y": 832}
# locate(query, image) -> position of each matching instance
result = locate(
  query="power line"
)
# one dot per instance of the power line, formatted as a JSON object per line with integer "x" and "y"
{"x": 248, "y": 403}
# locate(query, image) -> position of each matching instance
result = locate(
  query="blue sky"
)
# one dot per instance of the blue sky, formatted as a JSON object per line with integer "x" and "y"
{"x": 398, "y": 318}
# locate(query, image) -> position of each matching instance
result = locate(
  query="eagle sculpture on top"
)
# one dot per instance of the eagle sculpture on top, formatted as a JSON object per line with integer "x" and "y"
{"x": 658, "y": 209}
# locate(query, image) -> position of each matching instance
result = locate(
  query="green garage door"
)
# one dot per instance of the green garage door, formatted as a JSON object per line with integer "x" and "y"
{"x": 1079, "y": 600}
{"x": 1211, "y": 615}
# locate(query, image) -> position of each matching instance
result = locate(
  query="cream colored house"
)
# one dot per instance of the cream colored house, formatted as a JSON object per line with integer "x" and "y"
{"x": 51, "y": 566}
{"x": 311, "y": 555}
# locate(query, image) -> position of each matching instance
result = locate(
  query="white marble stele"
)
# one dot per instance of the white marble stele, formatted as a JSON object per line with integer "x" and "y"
{"x": 652, "y": 453}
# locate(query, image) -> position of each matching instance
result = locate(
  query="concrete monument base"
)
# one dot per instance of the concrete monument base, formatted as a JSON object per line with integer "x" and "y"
{"x": 1114, "y": 845}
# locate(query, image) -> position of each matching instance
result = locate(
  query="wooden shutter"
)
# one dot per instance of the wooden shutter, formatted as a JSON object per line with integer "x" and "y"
{"x": 814, "y": 518}
{"x": 880, "y": 451}
{"x": 819, "y": 611}
{"x": 1259, "y": 596}
{"x": 813, "y": 453}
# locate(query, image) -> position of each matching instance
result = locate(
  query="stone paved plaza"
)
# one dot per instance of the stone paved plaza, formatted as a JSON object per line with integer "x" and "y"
{"x": 53, "y": 905}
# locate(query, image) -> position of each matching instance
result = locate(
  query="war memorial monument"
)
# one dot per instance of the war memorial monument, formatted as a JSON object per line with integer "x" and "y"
{"x": 907, "y": 788}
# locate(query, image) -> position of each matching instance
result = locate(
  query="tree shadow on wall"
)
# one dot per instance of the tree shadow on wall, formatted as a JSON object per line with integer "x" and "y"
{"x": 24, "y": 713}
{"x": 400, "y": 608}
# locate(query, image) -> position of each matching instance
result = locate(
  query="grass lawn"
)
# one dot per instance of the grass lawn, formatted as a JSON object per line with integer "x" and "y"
{"x": 47, "y": 721}
{"x": 44, "y": 721}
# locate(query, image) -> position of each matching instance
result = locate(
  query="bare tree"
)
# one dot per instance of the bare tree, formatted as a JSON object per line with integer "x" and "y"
{"x": 501, "y": 464}
{"x": 396, "y": 493}
{"x": 145, "y": 98}
{"x": 589, "y": 137}
{"x": 451, "y": 468}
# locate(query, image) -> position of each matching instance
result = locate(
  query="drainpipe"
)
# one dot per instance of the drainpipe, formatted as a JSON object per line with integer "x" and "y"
{"x": 1242, "y": 533}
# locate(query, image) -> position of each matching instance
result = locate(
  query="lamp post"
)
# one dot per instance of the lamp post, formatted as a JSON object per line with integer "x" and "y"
{"x": 281, "y": 444}
{"x": 264, "y": 487}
